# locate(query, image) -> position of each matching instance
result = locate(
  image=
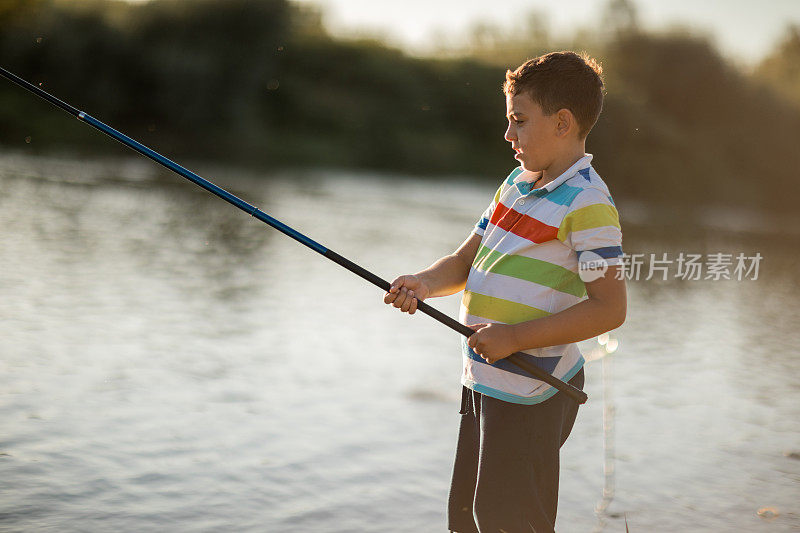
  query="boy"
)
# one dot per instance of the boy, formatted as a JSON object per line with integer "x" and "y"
{"x": 525, "y": 285}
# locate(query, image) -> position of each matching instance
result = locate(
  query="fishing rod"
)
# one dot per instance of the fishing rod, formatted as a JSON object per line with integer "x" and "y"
{"x": 516, "y": 358}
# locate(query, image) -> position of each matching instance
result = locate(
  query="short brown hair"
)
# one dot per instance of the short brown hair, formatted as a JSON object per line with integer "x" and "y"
{"x": 561, "y": 80}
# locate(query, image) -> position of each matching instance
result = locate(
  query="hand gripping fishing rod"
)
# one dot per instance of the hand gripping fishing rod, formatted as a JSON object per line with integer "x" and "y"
{"x": 516, "y": 358}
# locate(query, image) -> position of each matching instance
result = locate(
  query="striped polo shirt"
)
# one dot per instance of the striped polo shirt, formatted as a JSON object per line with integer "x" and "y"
{"x": 527, "y": 268}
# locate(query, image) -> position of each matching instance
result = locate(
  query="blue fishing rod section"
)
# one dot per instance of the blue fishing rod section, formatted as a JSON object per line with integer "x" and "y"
{"x": 207, "y": 185}
{"x": 173, "y": 166}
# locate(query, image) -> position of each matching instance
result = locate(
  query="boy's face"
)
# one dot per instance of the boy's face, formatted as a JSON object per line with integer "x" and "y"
{"x": 532, "y": 134}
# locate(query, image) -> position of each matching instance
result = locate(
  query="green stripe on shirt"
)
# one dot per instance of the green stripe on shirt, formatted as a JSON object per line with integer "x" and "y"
{"x": 500, "y": 310}
{"x": 529, "y": 269}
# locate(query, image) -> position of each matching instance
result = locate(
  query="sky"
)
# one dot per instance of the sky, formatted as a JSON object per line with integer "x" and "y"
{"x": 744, "y": 30}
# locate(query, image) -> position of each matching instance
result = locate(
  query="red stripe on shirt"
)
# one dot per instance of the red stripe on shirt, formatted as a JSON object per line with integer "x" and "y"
{"x": 522, "y": 225}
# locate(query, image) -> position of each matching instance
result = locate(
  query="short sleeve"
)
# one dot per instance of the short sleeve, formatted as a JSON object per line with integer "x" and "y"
{"x": 592, "y": 225}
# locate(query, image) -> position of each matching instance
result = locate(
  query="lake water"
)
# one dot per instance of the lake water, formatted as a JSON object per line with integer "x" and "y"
{"x": 168, "y": 363}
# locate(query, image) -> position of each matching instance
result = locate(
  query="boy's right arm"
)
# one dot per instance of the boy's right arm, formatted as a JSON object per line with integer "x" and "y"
{"x": 446, "y": 276}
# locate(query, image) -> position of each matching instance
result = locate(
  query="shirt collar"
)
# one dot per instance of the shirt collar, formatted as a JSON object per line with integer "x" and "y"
{"x": 524, "y": 181}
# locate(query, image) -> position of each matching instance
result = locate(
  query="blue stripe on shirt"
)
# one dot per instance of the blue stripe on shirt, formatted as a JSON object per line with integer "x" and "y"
{"x": 514, "y": 173}
{"x": 548, "y": 364}
{"x": 525, "y": 400}
{"x": 563, "y": 194}
{"x": 607, "y": 252}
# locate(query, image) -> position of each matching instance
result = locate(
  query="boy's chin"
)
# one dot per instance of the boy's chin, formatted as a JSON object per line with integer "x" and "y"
{"x": 524, "y": 165}
{"x": 530, "y": 167}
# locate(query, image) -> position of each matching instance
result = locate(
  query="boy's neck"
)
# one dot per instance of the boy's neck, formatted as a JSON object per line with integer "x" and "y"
{"x": 561, "y": 164}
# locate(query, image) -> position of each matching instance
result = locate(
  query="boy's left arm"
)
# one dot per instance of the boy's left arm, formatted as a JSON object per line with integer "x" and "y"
{"x": 603, "y": 311}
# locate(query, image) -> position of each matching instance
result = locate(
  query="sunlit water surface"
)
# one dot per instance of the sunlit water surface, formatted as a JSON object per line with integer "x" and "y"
{"x": 169, "y": 363}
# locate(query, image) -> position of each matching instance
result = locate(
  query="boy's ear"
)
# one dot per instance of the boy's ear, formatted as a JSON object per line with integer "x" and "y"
{"x": 565, "y": 122}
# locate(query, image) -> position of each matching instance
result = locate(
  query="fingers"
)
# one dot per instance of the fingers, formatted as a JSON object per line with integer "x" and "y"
{"x": 475, "y": 341}
{"x": 410, "y": 282}
{"x": 406, "y": 300}
{"x": 403, "y": 299}
{"x": 477, "y": 328}
{"x": 401, "y": 294}
{"x": 394, "y": 291}
{"x": 400, "y": 297}
{"x": 413, "y": 307}
{"x": 396, "y": 284}
{"x": 412, "y": 303}
{"x": 389, "y": 297}
{"x": 409, "y": 303}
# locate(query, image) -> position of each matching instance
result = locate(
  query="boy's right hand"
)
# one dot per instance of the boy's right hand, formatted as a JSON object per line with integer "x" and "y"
{"x": 405, "y": 292}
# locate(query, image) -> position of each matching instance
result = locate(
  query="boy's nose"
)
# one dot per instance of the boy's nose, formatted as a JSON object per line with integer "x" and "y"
{"x": 510, "y": 134}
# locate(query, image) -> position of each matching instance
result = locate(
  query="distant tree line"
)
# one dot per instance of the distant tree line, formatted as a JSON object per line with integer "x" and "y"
{"x": 262, "y": 83}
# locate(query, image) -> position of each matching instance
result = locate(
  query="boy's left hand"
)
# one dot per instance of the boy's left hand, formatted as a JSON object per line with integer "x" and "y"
{"x": 493, "y": 341}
